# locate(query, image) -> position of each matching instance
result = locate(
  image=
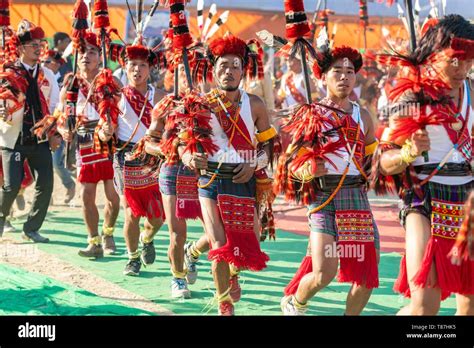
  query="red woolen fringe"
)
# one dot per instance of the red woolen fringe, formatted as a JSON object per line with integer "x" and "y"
{"x": 188, "y": 209}
{"x": 4, "y": 21}
{"x": 95, "y": 172}
{"x": 294, "y": 6}
{"x": 145, "y": 202}
{"x": 295, "y": 31}
{"x": 402, "y": 285}
{"x": 182, "y": 41}
{"x": 101, "y": 22}
{"x": 449, "y": 275}
{"x": 241, "y": 250}
{"x": 305, "y": 268}
{"x": 364, "y": 272}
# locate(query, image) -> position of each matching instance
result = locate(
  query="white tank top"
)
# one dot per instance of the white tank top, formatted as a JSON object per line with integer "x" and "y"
{"x": 87, "y": 110}
{"x": 219, "y": 138}
{"x": 128, "y": 120}
{"x": 441, "y": 144}
{"x": 341, "y": 162}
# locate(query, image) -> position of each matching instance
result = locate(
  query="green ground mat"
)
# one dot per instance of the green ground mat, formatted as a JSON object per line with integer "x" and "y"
{"x": 28, "y": 293}
{"x": 261, "y": 292}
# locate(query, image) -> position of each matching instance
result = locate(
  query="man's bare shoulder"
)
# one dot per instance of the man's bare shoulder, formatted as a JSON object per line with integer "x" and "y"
{"x": 256, "y": 102}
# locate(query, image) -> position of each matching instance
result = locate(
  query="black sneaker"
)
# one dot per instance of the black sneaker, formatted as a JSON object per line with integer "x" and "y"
{"x": 148, "y": 255}
{"x": 132, "y": 267}
{"x": 35, "y": 237}
{"x": 2, "y": 225}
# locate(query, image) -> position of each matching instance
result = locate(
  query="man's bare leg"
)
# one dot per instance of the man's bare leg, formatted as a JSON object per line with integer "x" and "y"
{"x": 91, "y": 218}
{"x": 464, "y": 304}
{"x": 111, "y": 211}
{"x": 424, "y": 301}
{"x": 324, "y": 268}
{"x": 112, "y": 204}
{"x": 89, "y": 208}
{"x": 177, "y": 230}
{"x": 217, "y": 238}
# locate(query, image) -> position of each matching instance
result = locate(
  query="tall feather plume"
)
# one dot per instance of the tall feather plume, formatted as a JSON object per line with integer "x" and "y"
{"x": 200, "y": 16}
{"x": 207, "y": 24}
{"x": 215, "y": 27}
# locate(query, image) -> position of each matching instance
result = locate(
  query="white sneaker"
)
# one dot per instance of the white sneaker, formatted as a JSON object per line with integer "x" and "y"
{"x": 190, "y": 263}
{"x": 8, "y": 227}
{"x": 179, "y": 288}
{"x": 288, "y": 308}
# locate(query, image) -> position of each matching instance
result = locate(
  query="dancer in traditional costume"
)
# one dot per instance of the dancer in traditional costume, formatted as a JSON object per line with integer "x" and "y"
{"x": 94, "y": 157}
{"x": 25, "y": 94}
{"x": 233, "y": 165}
{"x": 425, "y": 156}
{"x": 323, "y": 169}
{"x": 178, "y": 184}
{"x": 138, "y": 187}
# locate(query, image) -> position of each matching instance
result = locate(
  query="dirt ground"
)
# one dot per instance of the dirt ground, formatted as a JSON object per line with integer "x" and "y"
{"x": 53, "y": 267}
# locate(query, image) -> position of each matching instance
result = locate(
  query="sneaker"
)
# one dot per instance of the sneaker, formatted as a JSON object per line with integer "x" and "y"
{"x": 132, "y": 268}
{"x": 8, "y": 227}
{"x": 148, "y": 254}
{"x": 34, "y": 236}
{"x": 70, "y": 193}
{"x": 92, "y": 251}
{"x": 226, "y": 308}
{"x": 179, "y": 288}
{"x": 235, "y": 289}
{"x": 109, "y": 245}
{"x": 190, "y": 263}
{"x": 289, "y": 308}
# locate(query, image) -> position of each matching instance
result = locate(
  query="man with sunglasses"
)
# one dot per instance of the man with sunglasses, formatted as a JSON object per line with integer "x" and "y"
{"x": 17, "y": 140}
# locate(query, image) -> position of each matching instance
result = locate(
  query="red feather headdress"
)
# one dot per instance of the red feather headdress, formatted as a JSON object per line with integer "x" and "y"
{"x": 463, "y": 48}
{"x": 27, "y": 31}
{"x": 250, "y": 52}
{"x": 121, "y": 54}
{"x": 324, "y": 59}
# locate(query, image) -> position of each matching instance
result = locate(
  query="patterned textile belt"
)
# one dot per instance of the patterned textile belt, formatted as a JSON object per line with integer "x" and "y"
{"x": 449, "y": 169}
{"x": 87, "y": 127}
{"x": 330, "y": 182}
{"x": 226, "y": 170}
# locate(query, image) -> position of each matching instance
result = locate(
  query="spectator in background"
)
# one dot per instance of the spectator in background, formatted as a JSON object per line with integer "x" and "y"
{"x": 61, "y": 42}
{"x": 52, "y": 60}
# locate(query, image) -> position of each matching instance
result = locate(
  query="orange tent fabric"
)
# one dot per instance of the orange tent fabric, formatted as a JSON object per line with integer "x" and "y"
{"x": 57, "y": 17}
